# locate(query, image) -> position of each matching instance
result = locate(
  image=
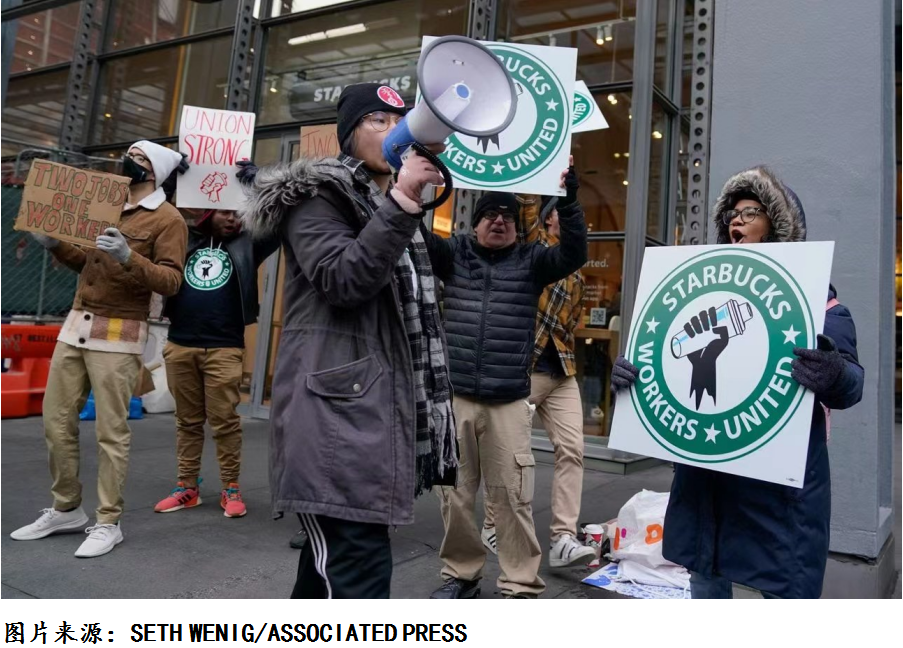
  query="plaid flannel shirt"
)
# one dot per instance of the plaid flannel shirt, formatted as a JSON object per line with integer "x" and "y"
{"x": 561, "y": 303}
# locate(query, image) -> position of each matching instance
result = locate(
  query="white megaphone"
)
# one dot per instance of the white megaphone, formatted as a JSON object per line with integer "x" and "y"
{"x": 465, "y": 89}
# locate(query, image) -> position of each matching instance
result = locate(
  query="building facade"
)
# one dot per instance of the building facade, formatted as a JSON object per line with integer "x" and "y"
{"x": 84, "y": 79}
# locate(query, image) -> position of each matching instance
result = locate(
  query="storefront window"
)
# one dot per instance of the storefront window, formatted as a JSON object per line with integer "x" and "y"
{"x": 285, "y": 7}
{"x": 45, "y": 38}
{"x": 33, "y": 111}
{"x": 683, "y": 178}
{"x": 598, "y": 337}
{"x": 601, "y": 158}
{"x": 151, "y": 21}
{"x": 663, "y": 46}
{"x": 658, "y": 173}
{"x": 601, "y": 31}
{"x": 309, "y": 62}
{"x": 686, "y": 68}
{"x": 141, "y": 96}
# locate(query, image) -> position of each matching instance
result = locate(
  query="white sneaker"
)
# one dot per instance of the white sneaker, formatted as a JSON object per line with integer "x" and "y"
{"x": 567, "y": 551}
{"x": 51, "y": 521}
{"x": 101, "y": 539}
{"x": 489, "y": 540}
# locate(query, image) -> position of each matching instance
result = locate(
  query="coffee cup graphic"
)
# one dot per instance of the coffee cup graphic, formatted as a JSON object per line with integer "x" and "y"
{"x": 732, "y": 315}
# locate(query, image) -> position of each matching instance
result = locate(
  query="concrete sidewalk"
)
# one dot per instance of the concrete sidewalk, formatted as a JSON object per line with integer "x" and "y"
{"x": 198, "y": 553}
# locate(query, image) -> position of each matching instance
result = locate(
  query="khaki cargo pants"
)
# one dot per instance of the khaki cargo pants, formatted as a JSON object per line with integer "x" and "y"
{"x": 494, "y": 440}
{"x": 205, "y": 385}
{"x": 113, "y": 377}
{"x": 558, "y": 403}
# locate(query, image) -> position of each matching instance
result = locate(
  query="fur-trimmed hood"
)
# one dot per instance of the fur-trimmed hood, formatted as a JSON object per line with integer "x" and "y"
{"x": 788, "y": 220}
{"x": 278, "y": 188}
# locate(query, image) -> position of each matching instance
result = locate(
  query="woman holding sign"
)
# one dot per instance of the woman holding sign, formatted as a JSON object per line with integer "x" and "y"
{"x": 729, "y": 529}
{"x": 101, "y": 343}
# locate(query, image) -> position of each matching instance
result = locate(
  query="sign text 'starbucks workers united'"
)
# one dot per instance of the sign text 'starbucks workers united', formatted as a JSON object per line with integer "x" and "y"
{"x": 713, "y": 338}
{"x": 530, "y": 154}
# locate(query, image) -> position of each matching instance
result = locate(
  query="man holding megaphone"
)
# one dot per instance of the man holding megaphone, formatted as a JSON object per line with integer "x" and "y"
{"x": 361, "y": 411}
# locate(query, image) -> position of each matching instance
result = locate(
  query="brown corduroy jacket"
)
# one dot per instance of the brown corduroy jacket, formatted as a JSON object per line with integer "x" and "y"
{"x": 108, "y": 288}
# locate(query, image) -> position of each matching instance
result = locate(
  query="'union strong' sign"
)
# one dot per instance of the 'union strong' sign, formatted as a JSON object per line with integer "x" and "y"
{"x": 713, "y": 334}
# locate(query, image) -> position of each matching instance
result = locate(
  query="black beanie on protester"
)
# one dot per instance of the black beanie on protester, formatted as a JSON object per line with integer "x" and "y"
{"x": 362, "y": 99}
{"x": 548, "y": 205}
{"x": 495, "y": 201}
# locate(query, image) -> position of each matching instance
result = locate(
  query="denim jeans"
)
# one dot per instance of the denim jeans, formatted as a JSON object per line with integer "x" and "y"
{"x": 714, "y": 587}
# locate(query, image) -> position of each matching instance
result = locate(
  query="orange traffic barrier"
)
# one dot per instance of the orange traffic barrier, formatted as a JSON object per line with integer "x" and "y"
{"x": 29, "y": 347}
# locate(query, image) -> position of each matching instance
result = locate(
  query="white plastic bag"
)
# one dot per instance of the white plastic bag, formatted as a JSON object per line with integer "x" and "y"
{"x": 636, "y": 542}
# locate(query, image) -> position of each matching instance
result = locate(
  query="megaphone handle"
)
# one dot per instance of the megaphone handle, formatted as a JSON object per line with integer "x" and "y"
{"x": 446, "y": 176}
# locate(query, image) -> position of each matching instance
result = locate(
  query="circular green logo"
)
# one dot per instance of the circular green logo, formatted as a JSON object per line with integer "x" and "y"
{"x": 208, "y": 269}
{"x": 583, "y": 108}
{"x": 714, "y": 343}
{"x": 533, "y": 138}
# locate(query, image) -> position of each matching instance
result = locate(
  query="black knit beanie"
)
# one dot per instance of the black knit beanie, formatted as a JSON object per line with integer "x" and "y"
{"x": 548, "y": 205}
{"x": 362, "y": 99}
{"x": 495, "y": 201}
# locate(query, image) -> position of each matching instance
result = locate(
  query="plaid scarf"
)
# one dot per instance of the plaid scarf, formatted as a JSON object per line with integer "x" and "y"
{"x": 436, "y": 444}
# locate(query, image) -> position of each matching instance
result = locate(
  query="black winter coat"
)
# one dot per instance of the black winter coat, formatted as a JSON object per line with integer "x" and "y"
{"x": 491, "y": 297}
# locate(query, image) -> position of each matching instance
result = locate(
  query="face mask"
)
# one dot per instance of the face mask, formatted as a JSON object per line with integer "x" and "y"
{"x": 134, "y": 170}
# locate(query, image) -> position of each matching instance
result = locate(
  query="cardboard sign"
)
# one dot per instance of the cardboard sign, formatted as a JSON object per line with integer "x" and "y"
{"x": 587, "y": 114}
{"x": 214, "y": 141}
{"x": 69, "y": 204}
{"x": 723, "y": 398}
{"x": 531, "y": 153}
{"x": 319, "y": 141}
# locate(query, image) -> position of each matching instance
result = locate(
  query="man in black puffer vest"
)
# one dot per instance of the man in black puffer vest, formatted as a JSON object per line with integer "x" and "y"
{"x": 492, "y": 289}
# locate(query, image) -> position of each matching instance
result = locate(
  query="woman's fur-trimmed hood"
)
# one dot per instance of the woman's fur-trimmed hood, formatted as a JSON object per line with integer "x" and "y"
{"x": 278, "y": 188}
{"x": 788, "y": 220}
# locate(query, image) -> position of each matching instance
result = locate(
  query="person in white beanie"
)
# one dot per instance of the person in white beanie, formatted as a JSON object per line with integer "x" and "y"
{"x": 100, "y": 346}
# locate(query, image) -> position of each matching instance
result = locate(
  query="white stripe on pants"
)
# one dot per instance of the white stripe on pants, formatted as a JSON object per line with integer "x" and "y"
{"x": 318, "y": 544}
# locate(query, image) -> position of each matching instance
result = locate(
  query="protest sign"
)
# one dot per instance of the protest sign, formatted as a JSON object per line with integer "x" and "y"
{"x": 214, "y": 141}
{"x": 587, "y": 115}
{"x": 319, "y": 141}
{"x": 531, "y": 153}
{"x": 69, "y": 204}
{"x": 723, "y": 398}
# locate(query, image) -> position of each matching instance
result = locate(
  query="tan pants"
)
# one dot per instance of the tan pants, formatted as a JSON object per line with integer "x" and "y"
{"x": 113, "y": 377}
{"x": 494, "y": 440}
{"x": 558, "y": 402}
{"x": 205, "y": 385}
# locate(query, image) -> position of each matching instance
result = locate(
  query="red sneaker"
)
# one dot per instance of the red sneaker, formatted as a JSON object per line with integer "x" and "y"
{"x": 231, "y": 502}
{"x": 181, "y": 497}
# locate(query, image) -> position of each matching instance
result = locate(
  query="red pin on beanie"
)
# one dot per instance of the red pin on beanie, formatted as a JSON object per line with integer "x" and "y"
{"x": 390, "y": 96}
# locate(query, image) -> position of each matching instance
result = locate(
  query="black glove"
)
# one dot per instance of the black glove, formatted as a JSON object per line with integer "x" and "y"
{"x": 704, "y": 376}
{"x": 571, "y": 185}
{"x": 623, "y": 374}
{"x": 169, "y": 185}
{"x": 818, "y": 369}
{"x": 247, "y": 171}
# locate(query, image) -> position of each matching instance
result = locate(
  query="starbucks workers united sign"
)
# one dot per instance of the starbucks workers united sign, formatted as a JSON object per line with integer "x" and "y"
{"x": 713, "y": 333}
{"x": 530, "y": 154}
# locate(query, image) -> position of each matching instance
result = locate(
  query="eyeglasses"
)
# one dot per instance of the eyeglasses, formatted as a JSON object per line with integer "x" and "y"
{"x": 138, "y": 157}
{"x": 747, "y": 214}
{"x": 508, "y": 217}
{"x": 380, "y": 121}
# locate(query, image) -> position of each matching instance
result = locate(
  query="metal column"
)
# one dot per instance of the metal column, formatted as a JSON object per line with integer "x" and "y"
{"x": 72, "y": 133}
{"x": 638, "y": 167}
{"x": 700, "y": 117}
{"x": 237, "y": 95}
